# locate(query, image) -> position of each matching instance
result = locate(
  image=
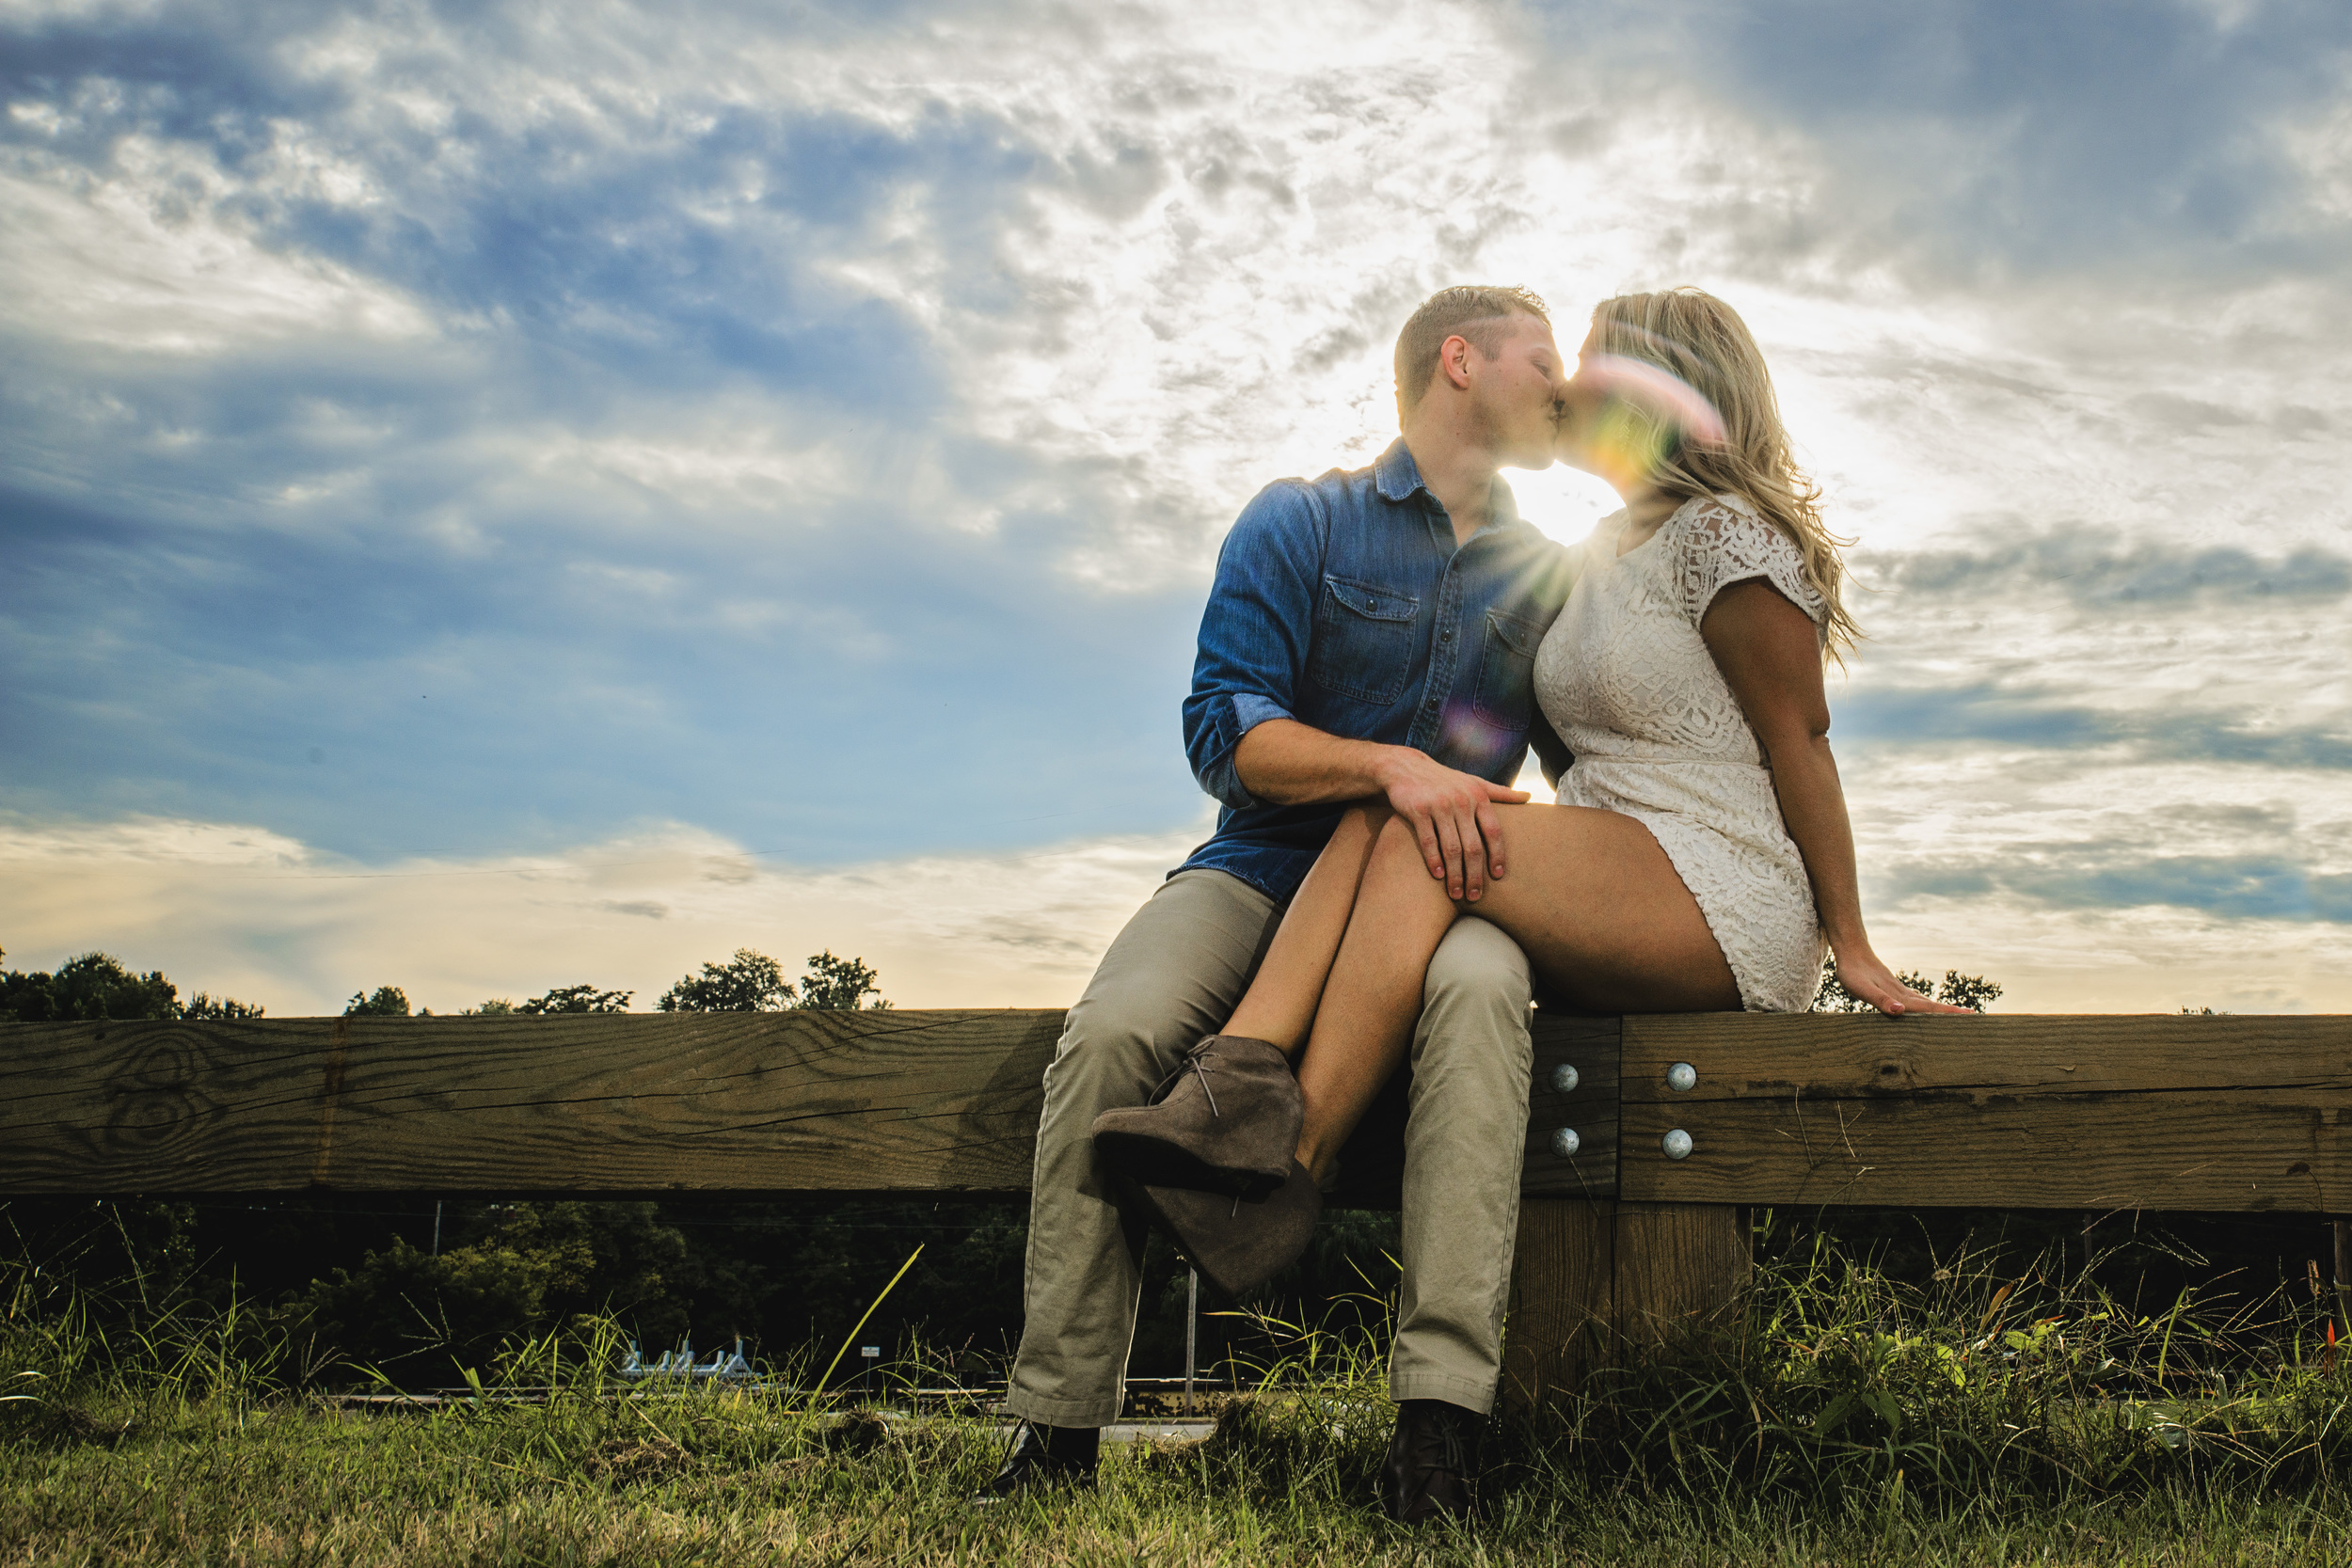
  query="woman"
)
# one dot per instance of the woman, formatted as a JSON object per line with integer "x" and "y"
{"x": 1699, "y": 857}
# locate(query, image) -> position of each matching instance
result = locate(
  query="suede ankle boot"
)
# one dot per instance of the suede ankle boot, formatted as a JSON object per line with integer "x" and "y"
{"x": 1236, "y": 1243}
{"x": 1226, "y": 1122}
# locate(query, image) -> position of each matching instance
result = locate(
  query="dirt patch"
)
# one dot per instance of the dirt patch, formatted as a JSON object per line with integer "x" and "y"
{"x": 64, "y": 1427}
{"x": 634, "y": 1458}
{"x": 858, "y": 1433}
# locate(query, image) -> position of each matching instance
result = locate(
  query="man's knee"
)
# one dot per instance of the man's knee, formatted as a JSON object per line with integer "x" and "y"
{"x": 1477, "y": 968}
{"x": 1171, "y": 977}
{"x": 1474, "y": 1004}
{"x": 1115, "y": 1040}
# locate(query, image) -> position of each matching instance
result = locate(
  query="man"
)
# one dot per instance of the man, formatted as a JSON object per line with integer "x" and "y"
{"x": 1368, "y": 634}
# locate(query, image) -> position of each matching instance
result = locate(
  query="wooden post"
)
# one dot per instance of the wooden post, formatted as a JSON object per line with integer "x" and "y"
{"x": 1562, "y": 1284}
{"x": 2343, "y": 1277}
{"x": 1678, "y": 1265}
{"x": 1562, "y": 1279}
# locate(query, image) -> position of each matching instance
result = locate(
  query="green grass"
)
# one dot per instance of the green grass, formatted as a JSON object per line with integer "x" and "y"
{"x": 1987, "y": 1417}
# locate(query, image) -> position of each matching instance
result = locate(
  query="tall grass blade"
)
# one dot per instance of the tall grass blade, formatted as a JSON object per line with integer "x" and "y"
{"x": 860, "y": 1324}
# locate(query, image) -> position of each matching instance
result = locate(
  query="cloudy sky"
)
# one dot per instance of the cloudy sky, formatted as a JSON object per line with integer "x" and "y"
{"x": 493, "y": 496}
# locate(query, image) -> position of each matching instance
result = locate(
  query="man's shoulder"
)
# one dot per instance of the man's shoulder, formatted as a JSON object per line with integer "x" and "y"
{"x": 1293, "y": 504}
{"x": 1328, "y": 484}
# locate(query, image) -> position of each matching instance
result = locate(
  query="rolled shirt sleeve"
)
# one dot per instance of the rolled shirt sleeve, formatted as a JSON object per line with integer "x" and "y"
{"x": 1254, "y": 632}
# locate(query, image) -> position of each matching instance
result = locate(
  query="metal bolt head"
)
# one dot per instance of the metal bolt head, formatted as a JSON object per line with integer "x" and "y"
{"x": 1681, "y": 1076}
{"x": 1676, "y": 1144}
{"x": 1564, "y": 1143}
{"x": 1563, "y": 1079}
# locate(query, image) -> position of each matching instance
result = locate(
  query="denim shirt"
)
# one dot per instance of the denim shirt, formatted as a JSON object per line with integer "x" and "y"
{"x": 1343, "y": 604}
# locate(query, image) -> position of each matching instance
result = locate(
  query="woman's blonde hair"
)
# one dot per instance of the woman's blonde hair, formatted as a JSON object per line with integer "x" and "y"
{"x": 1692, "y": 335}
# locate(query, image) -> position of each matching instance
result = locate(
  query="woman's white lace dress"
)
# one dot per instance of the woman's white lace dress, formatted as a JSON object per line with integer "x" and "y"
{"x": 1657, "y": 734}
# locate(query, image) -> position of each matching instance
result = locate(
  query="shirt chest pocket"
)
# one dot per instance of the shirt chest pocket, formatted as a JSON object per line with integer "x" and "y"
{"x": 1506, "y": 671}
{"x": 1363, "y": 644}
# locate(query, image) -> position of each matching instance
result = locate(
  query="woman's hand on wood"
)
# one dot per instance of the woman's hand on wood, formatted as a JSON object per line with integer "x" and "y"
{"x": 1865, "y": 977}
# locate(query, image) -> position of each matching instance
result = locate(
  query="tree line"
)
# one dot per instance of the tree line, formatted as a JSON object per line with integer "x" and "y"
{"x": 100, "y": 986}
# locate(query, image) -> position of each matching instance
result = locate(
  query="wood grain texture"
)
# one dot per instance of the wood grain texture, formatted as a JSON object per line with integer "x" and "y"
{"x": 2343, "y": 1234}
{"x": 1591, "y": 1046}
{"x": 1561, "y": 1301}
{"x": 944, "y": 1102}
{"x": 1678, "y": 1265}
{"x": 1862, "y": 1055}
{"x": 799, "y": 1102}
{"x": 2078, "y": 1112}
{"x": 2224, "y": 1114}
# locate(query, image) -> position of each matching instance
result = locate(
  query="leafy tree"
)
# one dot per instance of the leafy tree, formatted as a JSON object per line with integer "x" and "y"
{"x": 839, "y": 983}
{"x": 1972, "y": 991}
{"x": 93, "y": 986}
{"x": 754, "y": 983}
{"x": 497, "y": 1006}
{"x": 225, "y": 1010}
{"x": 388, "y": 1002}
{"x": 748, "y": 983}
{"x": 577, "y": 999}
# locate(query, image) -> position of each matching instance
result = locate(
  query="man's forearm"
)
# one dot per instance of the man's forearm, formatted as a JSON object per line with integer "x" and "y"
{"x": 1290, "y": 764}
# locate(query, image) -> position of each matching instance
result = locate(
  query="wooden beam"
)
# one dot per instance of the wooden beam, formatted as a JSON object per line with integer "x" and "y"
{"x": 2007, "y": 1111}
{"x": 844, "y": 1101}
{"x": 795, "y": 1101}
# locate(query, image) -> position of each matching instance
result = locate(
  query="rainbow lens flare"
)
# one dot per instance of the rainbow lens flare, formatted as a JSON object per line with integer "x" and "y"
{"x": 1645, "y": 413}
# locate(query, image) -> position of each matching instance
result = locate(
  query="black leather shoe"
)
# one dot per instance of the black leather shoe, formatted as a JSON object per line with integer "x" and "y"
{"x": 1046, "y": 1456}
{"x": 1432, "y": 1468}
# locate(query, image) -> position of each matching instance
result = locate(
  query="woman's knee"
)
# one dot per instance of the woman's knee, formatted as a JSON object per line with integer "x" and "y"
{"x": 1364, "y": 820}
{"x": 1398, "y": 838}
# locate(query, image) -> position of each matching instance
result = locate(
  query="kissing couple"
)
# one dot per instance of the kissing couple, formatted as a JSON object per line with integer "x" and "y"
{"x": 1381, "y": 648}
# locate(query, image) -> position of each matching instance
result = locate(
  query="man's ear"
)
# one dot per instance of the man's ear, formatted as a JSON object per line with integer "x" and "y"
{"x": 1453, "y": 357}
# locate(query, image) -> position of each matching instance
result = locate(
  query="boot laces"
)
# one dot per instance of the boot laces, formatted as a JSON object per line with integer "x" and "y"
{"x": 1442, "y": 1446}
{"x": 1201, "y": 1071}
{"x": 1195, "y": 1063}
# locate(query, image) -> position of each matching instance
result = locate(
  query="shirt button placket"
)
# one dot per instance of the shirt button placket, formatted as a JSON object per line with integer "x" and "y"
{"x": 1441, "y": 664}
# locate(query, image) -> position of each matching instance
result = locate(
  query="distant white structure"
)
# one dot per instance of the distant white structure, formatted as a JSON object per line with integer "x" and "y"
{"x": 681, "y": 1363}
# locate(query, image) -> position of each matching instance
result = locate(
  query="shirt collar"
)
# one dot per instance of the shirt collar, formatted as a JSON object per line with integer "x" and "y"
{"x": 1397, "y": 476}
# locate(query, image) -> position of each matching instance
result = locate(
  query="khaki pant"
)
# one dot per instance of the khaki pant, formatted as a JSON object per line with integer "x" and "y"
{"x": 1173, "y": 975}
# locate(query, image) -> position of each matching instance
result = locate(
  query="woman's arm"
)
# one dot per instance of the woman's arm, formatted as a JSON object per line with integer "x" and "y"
{"x": 1769, "y": 653}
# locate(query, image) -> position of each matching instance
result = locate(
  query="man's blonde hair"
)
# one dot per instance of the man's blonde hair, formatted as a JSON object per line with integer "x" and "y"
{"x": 1480, "y": 314}
{"x": 1696, "y": 337}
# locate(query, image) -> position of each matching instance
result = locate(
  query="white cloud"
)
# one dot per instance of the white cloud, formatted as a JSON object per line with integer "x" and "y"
{"x": 793, "y": 352}
{"x": 146, "y": 260}
{"x": 245, "y": 912}
{"x": 242, "y": 912}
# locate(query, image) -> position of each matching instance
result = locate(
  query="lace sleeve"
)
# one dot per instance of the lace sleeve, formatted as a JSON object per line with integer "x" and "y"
{"x": 1722, "y": 543}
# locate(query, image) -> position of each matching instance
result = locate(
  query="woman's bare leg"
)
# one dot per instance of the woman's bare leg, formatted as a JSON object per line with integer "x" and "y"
{"x": 1279, "y": 1006}
{"x": 1592, "y": 900}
